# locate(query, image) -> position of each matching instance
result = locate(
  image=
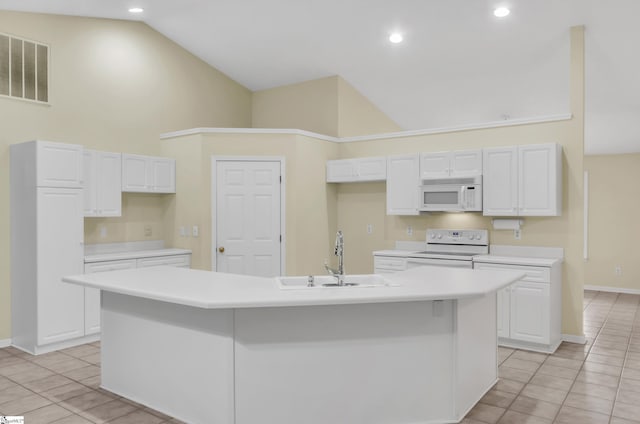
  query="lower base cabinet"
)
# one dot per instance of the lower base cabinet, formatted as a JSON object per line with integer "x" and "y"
{"x": 528, "y": 311}
{"x": 92, "y": 296}
{"x": 388, "y": 264}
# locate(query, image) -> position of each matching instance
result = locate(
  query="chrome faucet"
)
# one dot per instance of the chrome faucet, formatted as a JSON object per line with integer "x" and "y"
{"x": 339, "y": 252}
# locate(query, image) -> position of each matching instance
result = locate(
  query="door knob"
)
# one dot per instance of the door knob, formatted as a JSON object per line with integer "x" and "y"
{"x": 221, "y": 249}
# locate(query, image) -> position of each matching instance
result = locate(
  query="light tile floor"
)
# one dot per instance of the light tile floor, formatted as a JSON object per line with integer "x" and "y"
{"x": 595, "y": 383}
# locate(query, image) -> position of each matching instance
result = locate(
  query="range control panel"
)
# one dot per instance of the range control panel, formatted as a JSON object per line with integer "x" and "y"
{"x": 475, "y": 237}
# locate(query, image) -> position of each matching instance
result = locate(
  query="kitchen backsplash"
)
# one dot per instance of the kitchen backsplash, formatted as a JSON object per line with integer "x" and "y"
{"x": 142, "y": 219}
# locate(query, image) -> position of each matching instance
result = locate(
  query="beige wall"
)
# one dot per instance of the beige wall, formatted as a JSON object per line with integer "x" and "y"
{"x": 309, "y": 105}
{"x": 328, "y": 106}
{"x": 613, "y": 221}
{"x": 358, "y": 116}
{"x": 310, "y": 202}
{"x": 116, "y": 86}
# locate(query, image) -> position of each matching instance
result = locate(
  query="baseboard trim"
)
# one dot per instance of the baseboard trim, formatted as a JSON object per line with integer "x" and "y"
{"x": 572, "y": 338}
{"x": 5, "y": 343}
{"x": 612, "y": 289}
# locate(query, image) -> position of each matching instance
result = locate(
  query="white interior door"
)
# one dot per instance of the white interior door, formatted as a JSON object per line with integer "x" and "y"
{"x": 248, "y": 217}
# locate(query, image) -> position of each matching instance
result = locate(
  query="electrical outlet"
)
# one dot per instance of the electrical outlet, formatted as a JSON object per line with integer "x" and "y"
{"x": 369, "y": 229}
{"x": 183, "y": 232}
{"x": 409, "y": 230}
{"x": 618, "y": 270}
{"x": 103, "y": 231}
{"x": 195, "y": 231}
{"x": 148, "y": 232}
{"x": 517, "y": 234}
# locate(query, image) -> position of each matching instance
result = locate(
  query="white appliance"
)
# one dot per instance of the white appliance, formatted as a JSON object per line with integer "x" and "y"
{"x": 451, "y": 195}
{"x": 451, "y": 248}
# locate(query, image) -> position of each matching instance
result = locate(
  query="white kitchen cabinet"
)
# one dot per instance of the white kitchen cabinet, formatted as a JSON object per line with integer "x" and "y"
{"x": 500, "y": 181}
{"x": 357, "y": 170}
{"x": 529, "y": 309}
{"x": 522, "y": 180}
{"x": 388, "y": 264}
{"x": 102, "y": 184}
{"x": 529, "y": 306}
{"x": 453, "y": 164}
{"x": 403, "y": 182}
{"x": 148, "y": 174}
{"x": 58, "y": 164}
{"x": 540, "y": 180}
{"x": 46, "y": 244}
{"x": 92, "y": 296}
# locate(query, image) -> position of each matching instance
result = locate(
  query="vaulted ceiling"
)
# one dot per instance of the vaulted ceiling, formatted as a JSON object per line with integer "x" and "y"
{"x": 458, "y": 63}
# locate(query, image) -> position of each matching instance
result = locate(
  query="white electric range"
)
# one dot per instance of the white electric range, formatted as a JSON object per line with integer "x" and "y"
{"x": 451, "y": 248}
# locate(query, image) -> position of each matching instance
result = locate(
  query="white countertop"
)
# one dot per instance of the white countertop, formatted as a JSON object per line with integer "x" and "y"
{"x": 213, "y": 290}
{"x": 133, "y": 254}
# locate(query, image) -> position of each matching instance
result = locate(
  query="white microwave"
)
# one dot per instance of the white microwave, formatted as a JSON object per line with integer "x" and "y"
{"x": 451, "y": 195}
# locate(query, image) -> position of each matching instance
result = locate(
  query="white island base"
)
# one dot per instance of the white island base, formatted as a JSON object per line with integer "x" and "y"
{"x": 412, "y": 362}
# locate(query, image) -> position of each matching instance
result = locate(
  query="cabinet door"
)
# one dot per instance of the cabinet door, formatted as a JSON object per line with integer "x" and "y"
{"x": 89, "y": 188}
{"x": 136, "y": 173}
{"x": 92, "y": 296}
{"x": 500, "y": 182}
{"x": 59, "y": 253}
{"x": 371, "y": 169}
{"x": 530, "y": 312}
{"x": 539, "y": 180}
{"x": 504, "y": 311}
{"x": 435, "y": 165}
{"x": 340, "y": 171}
{"x": 109, "y": 183}
{"x": 59, "y": 165}
{"x": 163, "y": 171}
{"x": 466, "y": 163}
{"x": 403, "y": 179}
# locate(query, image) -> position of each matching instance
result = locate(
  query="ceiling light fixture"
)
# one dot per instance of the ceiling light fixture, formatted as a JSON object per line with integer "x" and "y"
{"x": 501, "y": 12}
{"x": 136, "y": 10}
{"x": 395, "y": 38}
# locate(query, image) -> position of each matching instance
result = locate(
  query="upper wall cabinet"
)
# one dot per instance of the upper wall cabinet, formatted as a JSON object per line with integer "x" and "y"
{"x": 58, "y": 165}
{"x": 102, "y": 183}
{"x": 403, "y": 182}
{"x": 148, "y": 174}
{"x": 456, "y": 164}
{"x": 357, "y": 170}
{"x": 523, "y": 180}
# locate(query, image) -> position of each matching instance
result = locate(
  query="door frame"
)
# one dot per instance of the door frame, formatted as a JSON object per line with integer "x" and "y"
{"x": 214, "y": 173}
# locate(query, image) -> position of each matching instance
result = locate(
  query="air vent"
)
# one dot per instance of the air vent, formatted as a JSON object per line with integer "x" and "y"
{"x": 24, "y": 69}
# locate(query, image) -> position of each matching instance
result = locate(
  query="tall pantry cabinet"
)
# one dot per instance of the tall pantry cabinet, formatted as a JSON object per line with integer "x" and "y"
{"x": 46, "y": 204}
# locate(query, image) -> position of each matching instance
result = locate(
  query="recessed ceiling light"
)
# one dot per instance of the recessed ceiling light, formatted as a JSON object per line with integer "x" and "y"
{"x": 395, "y": 38}
{"x": 136, "y": 10}
{"x": 501, "y": 12}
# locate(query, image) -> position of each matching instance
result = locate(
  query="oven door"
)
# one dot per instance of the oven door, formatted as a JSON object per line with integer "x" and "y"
{"x": 451, "y": 263}
{"x": 438, "y": 198}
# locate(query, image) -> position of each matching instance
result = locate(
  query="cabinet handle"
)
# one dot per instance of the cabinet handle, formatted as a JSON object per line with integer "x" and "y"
{"x": 221, "y": 249}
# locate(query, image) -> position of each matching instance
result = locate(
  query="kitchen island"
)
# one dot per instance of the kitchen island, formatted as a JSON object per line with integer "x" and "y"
{"x": 208, "y": 347}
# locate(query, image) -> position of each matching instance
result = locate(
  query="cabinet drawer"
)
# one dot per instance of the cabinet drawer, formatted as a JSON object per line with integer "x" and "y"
{"x": 176, "y": 260}
{"x": 536, "y": 274}
{"x": 387, "y": 262}
{"x": 93, "y": 267}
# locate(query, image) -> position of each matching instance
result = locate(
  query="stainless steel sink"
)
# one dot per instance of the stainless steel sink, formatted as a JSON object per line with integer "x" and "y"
{"x": 328, "y": 281}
